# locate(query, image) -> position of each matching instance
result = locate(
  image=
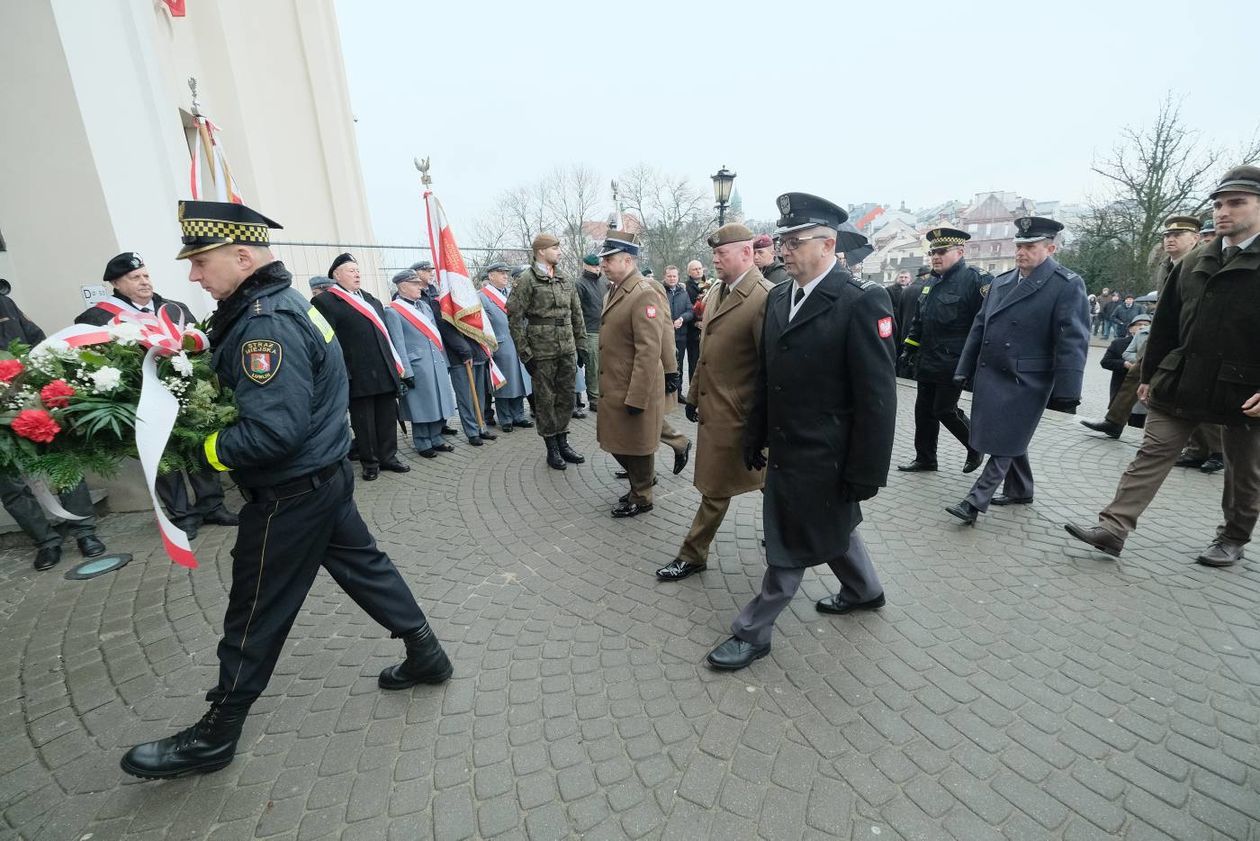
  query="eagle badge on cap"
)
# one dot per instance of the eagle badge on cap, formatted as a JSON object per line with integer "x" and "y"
{"x": 785, "y": 204}
{"x": 136, "y": 261}
{"x": 935, "y": 233}
{"x": 1024, "y": 224}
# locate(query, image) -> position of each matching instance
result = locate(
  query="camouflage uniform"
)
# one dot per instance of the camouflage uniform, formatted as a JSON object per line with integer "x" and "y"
{"x": 545, "y": 318}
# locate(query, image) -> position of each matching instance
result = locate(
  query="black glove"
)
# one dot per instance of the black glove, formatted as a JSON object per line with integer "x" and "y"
{"x": 754, "y": 458}
{"x": 850, "y": 492}
{"x": 530, "y": 366}
{"x": 410, "y": 382}
{"x": 962, "y": 382}
{"x": 633, "y": 410}
{"x": 693, "y": 413}
{"x": 670, "y": 385}
{"x": 581, "y": 356}
{"x": 1063, "y": 404}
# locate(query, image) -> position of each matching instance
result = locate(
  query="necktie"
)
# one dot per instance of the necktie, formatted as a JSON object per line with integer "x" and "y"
{"x": 722, "y": 293}
{"x": 796, "y": 298}
{"x": 1230, "y": 253}
{"x": 145, "y": 309}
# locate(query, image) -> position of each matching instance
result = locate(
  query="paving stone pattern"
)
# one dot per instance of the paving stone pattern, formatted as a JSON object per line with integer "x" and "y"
{"x": 1016, "y": 686}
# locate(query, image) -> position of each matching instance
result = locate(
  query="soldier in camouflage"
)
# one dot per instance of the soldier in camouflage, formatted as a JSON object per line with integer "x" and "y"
{"x": 545, "y": 319}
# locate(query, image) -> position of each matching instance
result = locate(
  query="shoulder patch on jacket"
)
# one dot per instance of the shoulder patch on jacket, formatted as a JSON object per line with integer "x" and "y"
{"x": 260, "y": 359}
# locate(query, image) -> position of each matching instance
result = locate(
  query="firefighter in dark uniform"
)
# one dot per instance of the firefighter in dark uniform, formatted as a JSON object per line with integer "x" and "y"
{"x": 287, "y": 453}
{"x": 946, "y": 307}
{"x": 903, "y": 312}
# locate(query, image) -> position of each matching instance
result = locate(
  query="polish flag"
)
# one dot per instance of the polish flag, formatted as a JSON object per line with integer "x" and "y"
{"x": 460, "y": 303}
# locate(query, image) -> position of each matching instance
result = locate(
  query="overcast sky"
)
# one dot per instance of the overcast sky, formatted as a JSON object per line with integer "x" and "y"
{"x": 883, "y": 101}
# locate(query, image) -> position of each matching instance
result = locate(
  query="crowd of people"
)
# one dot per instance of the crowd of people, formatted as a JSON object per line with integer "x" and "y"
{"x": 791, "y": 366}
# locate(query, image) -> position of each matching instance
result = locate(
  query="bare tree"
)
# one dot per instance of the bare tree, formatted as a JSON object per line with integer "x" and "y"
{"x": 674, "y": 213}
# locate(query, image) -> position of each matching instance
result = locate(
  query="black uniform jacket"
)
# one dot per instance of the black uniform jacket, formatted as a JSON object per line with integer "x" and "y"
{"x": 99, "y": 317}
{"x": 1202, "y": 359}
{"x": 282, "y": 360}
{"x": 825, "y": 404}
{"x": 942, "y": 320}
{"x": 15, "y": 325}
{"x": 369, "y": 362}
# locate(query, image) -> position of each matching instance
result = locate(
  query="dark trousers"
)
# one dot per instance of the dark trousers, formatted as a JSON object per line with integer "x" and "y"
{"x": 1206, "y": 440}
{"x": 173, "y": 492}
{"x": 27, "y": 513}
{"x": 1012, "y": 473}
{"x": 1121, "y": 406}
{"x": 373, "y": 420}
{"x": 680, "y": 353}
{"x": 280, "y": 546}
{"x": 693, "y": 353}
{"x": 936, "y": 405}
{"x": 640, "y": 470}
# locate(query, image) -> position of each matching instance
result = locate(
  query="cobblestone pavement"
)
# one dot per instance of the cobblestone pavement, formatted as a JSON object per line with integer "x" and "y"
{"x": 1016, "y": 686}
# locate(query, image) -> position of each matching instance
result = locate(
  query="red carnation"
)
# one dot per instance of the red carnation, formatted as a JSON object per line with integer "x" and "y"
{"x": 57, "y": 394}
{"x": 36, "y": 425}
{"x": 9, "y": 370}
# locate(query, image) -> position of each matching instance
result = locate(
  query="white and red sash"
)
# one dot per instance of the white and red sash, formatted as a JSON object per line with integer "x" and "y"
{"x": 362, "y": 308}
{"x": 117, "y": 307}
{"x": 496, "y": 296}
{"x": 412, "y": 317}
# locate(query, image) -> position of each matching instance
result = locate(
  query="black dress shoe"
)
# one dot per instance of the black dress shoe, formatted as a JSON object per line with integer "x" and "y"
{"x": 1098, "y": 537}
{"x": 974, "y": 460}
{"x": 1003, "y": 499}
{"x": 90, "y": 546}
{"x": 353, "y": 455}
{"x": 507, "y": 427}
{"x": 1221, "y": 553}
{"x": 207, "y": 746}
{"x": 370, "y": 474}
{"x": 1189, "y": 461}
{"x": 621, "y": 474}
{"x": 221, "y": 517}
{"x": 837, "y": 605}
{"x": 444, "y": 448}
{"x": 429, "y": 453}
{"x": 1113, "y": 430}
{"x": 965, "y": 511}
{"x": 1212, "y": 464}
{"x": 488, "y": 435}
{"x": 678, "y": 569}
{"x": 523, "y": 424}
{"x": 47, "y": 557}
{"x": 396, "y": 467}
{"x": 475, "y": 441}
{"x": 446, "y": 430}
{"x": 736, "y": 654}
{"x": 681, "y": 459}
{"x": 631, "y": 509}
{"x": 917, "y": 466}
{"x": 426, "y": 662}
{"x": 189, "y": 526}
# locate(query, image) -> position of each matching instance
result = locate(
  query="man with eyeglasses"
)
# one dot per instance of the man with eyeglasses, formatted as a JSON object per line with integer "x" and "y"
{"x": 948, "y": 305}
{"x": 825, "y": 403}
{"x": 1025, "y": 354}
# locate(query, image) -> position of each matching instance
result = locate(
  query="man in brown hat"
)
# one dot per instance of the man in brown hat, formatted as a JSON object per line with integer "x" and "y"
{"x": 545, "y": 319}
{"x": 1202, "y": 365}
{"x": 631, "y": 373}
{"x": 720, "y": 395}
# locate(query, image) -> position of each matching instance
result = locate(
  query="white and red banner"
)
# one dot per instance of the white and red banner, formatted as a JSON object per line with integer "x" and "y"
{"x": 461, "y": 305}
{"x": 208, "y": 145}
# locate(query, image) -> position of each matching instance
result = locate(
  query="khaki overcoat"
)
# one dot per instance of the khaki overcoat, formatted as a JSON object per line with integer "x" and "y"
{"x": 722, "y": 388}
{"x": 631, "y": 372}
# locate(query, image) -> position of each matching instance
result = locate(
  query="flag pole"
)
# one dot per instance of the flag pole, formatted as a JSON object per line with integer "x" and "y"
{"x": 472, "y": 389}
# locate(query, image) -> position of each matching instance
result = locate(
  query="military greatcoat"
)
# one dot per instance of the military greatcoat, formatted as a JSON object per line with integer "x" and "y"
{"x": 631, "y": 372}
{"x": 722, "y": 389}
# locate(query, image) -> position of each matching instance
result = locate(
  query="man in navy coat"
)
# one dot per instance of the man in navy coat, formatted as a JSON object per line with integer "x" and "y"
{"x": 1025, "y": 353}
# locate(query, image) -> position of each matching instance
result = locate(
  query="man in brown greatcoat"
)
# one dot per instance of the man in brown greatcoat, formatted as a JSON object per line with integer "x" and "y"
{"x": 631, "y": 372}
{"x": 721, "y": 392}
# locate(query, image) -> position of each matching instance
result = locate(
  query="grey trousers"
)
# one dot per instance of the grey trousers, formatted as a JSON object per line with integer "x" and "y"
{"x": 473, "y": 423}
{"x": 858, "y": 583}
{"x": 426, "y": 434}
{"x": 1013, "y": 473}
{"x": 27, "y": 513}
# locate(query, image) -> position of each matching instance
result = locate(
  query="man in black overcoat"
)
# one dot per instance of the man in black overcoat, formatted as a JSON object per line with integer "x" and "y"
{"x": 825, "y": 405}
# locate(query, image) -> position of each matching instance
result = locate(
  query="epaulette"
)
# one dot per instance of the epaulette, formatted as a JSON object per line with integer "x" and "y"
{"x": 646, "y": 284}
{"x": 862, "y": 284}
{"x": 766, "y": 285}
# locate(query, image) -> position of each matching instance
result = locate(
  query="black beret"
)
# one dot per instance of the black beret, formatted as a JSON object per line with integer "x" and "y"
{"x": 341, "y": 260}
{"x": 123, "y": 264}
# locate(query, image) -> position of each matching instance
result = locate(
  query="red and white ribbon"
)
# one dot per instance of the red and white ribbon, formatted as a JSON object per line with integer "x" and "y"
{"x": 364, "y": 309}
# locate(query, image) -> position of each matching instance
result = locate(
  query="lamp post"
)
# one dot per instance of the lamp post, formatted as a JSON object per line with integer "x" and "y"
{"x": 723, "y": 180}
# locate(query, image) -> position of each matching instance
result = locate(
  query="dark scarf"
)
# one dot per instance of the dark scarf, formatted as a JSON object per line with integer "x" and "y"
{"x": 270, "y": 278}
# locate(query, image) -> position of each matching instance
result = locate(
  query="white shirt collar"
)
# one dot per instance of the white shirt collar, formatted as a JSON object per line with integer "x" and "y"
{"x": 1244, "y": 244}
{"x": 808, "y": 288}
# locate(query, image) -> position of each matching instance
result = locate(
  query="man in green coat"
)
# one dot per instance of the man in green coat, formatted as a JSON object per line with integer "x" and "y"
{"x": 545, "y": 319}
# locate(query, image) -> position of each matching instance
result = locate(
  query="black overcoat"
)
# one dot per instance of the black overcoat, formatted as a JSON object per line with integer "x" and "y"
{"x": 946, "y": 308}
{"x": 825, "y": 404}
{"x": 367, "y": 351}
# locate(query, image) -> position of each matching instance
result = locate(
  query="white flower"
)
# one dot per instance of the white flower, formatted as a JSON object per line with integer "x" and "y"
{"x": 106, "y": 379}
{"x": 181, "y": 363}
{"x": 125, "y": 332}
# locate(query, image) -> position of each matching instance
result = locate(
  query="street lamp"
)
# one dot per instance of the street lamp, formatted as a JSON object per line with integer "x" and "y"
{"x": 723, "y": 180}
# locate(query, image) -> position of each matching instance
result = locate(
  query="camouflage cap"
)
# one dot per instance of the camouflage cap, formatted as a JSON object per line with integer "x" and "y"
{"x": 728, "y": 233}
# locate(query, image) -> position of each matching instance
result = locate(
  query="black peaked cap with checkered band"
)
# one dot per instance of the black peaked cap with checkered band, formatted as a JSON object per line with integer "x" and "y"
{"x": 945, "y": 237}
{"x": 210, "y": 224}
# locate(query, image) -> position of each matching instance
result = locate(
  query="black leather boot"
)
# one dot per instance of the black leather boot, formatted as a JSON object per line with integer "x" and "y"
{"x": 566, "y": 452}
{"x": 207, "y": 746}
{"x": 426, "y": 662}
{"x": 554, "y": 460}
